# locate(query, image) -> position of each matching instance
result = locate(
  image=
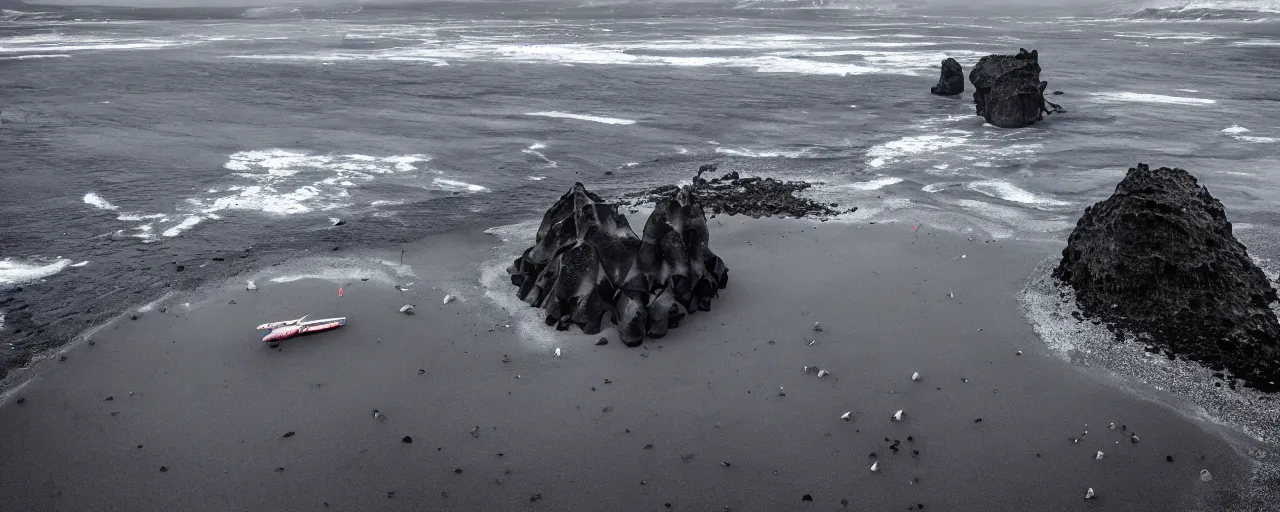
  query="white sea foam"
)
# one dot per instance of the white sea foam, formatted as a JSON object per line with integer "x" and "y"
{"x": 186, "y": 224}
{"x": 766, "y": 153}
{"x": 528, "y": 321}
{"x": 537, "y": 178}
{"x": 1133, "y": 97}
{"x": 533, "y": 150}
{"x": 876, "y": 183}
{"x": 1256, "y": 140}
{"x": 96, "y": 201}
{"x": 19, "y": 272}
{"x": 61, "y": 44}
{"x": 1010, "y": 192}
{"x": 583, "y": 117}
{"x": 38, "y": 56}
{"x": 1235, "y": 129}
{"x": 906, "y": 147}
{"x": 457, "y": 186}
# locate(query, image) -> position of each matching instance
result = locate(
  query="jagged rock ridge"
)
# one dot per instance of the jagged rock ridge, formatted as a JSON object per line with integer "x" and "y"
{"x": 587, "y": 262}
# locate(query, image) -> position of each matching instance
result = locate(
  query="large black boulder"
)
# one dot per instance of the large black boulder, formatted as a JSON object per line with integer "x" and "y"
{"x": 1008, "y": 92}
{"x": 1158, "y": 258}
{"x": 587, "y": 262}
{"x": 951, "y": 82}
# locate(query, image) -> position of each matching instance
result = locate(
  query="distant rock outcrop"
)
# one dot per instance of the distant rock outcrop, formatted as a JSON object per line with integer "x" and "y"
{"x": 951, "y": 82}
{"x": 1158, "y": 258}
{"x": 1008, "y": 92}
{"x": 587, "y": 262}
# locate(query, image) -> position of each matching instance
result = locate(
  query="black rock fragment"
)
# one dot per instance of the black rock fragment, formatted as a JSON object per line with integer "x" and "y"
{"x": 535, "y": 498}
{"x": 1158, "y": 258}
{"x": 602, "y": 341}
{"x": 951, "y": 82}
{"x": 164, "y": 469}
{"x": 587, "y": 262}
{"x": 289, "y": 434}
{"x": 1008, "y": 91}
{"x": 406, "y": 440}
{"x": 1168, "y": 458}
{"x": 806, "y": 497}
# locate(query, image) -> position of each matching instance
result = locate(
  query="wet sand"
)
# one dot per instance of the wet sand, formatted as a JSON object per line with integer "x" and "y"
{"x": 499, "y": 423}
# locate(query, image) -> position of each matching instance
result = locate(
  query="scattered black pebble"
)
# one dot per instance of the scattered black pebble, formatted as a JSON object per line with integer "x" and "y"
{"x": 1037, "y": 455}
{"x": 668, "y": 505}
{"x": 593, "y": 388}
{"x": 280, "y": 470}
{"x": 133, "y": 317}
{"x": 979, "y": 420}
{"x": 92, "y": 343}
{"x": 535, "y": 498}
{"x": 607, "y": 409}
{"x": 22, "y": 400}
{"x": 421, "y": 371}
{"x": 725, "y": 464}
{"x": 607, "y": 381}
{"x": 108, "y": 399}
{"x": 648, "y": 446}
{"x": 844, "y": 502}
{"x": 806, "y": 498}
{"x": 391, "y": 494}
{"x": 873, "y": 455}
{"x": 1168, "y": 458}
{"x": 500, "y": 454}
{"x": 406, "y": 439}
{"x": 139, "y": 447}
{"x": 457, "y": 471}
{"x": 219, "y": 259}
{"x": 1123, "y": 427}
{"x": 910, "y": 439}
{"x": 602, "y": 341}
{"x": 289, "y": 433}
{"x": 181, "y": 268}
{"x": 336, "y": 248}
{"x": 164, "y": 469}
{"x": 62, "y": 358}
{"x": 232, "y": 302}
{"x": 915, "y": 453}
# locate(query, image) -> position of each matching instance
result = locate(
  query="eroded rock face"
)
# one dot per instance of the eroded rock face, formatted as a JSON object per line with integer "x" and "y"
{"x": 951, "y": 82}
{"x": 587, "y": 262}
{"x": 1008, "y": 92}
{"x": 1158, "y": 257}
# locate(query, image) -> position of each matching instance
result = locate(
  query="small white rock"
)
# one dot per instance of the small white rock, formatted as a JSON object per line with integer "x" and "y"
{"x": 1018, "y": 352}
{"x": 823, "y": 373}
{"x": 915, "y": 376}
{"x": 1112, "y": 426}
{"x": 251, "y": 287}
{"x": 557, "y": 351}
{"x": 449, "y": 298}
{"x": 897, "y": 416}
{"x": 847, "y": 416}
{"x": 1098, "y": 456}
{"x": 1088, "y": 495}
{"x": 407, "y": 309}
{"x": 817, "y": 327}
{"x": 1205, "y": 476}
{"x": 875, "y": 466}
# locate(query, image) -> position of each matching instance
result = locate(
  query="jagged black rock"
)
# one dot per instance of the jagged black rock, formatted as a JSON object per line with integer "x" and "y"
{"x": 951, "y": 82}
{"x": 1158, "y": 257}
{"x": 732, "y": 194}
{"x": 587, "y": 262}
{"x": 1008, "y": 92}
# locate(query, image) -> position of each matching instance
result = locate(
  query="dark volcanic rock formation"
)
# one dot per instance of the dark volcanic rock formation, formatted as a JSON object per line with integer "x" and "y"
{"x": 951, "y": 82}
{"x": 1158, "y": 257}
{"x": 732, "y": 194}
{"x": 587, "y": 262}
{"x": 1008, "y": 91}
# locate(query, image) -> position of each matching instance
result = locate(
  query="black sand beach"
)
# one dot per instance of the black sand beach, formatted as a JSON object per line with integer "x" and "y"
{"x": 183, "y": 409}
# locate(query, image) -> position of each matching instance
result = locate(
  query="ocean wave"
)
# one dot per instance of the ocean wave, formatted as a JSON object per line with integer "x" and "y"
{"x": 14, "y": 272}
{"x": 583, "y": 117}
{"x": 533, "y": 151}
{"x": 96, "y": 201}
{"x": 1133, "y": 97}
{"x": 907, "y": 147}
{"x": 457, "y": 186}
{"x": 60, "y": 43}
{"x": 38, "y": 56}
{"x": 807, "y": 152}
{"x": 876, "y": 183}
{"x": 1010, "y": 192}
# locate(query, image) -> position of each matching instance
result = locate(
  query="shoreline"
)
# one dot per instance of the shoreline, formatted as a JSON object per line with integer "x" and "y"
{"x": 891, "y": 303}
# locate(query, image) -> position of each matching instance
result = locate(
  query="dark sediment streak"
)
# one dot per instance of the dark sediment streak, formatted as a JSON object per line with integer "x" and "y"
{"x": 1158, "y": 257}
